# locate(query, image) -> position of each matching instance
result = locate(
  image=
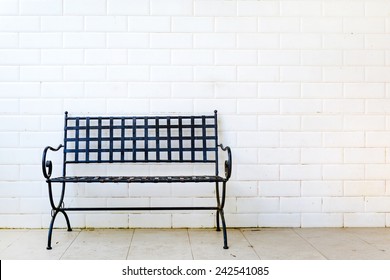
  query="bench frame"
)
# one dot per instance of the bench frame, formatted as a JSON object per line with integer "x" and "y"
{"x": 174, "y": 139}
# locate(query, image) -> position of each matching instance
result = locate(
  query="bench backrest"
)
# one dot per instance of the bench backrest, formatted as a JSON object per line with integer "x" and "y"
{"x": 141, "y": 139}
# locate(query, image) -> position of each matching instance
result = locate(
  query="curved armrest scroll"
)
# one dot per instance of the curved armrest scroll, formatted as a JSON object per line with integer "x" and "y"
{"x": 47, "y": 163}
{"x": 228, "y": 162}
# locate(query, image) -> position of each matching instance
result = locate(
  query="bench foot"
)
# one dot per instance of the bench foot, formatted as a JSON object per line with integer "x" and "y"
{"x": 50, "y": 233}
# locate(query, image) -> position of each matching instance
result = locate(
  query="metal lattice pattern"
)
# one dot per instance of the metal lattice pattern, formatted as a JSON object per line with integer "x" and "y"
{"x": 141, "y": 139}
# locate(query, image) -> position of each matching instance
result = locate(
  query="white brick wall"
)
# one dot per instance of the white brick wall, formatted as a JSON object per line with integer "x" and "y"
{"x": 301, "y": 87}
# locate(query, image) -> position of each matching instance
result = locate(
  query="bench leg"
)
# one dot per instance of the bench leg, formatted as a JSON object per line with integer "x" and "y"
{"x": 218, "y": 204}
{"x": 55, "y": 210}
{"x": 221, "y": 204}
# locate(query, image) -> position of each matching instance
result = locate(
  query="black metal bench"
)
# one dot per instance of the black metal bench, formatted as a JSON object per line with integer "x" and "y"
{"x": 148, "y": 139}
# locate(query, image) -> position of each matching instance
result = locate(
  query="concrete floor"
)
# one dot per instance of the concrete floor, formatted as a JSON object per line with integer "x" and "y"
{"x": 199, "y": 244}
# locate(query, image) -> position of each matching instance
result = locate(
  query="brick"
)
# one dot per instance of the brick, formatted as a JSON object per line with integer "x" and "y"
{"x": 279, "y": 220}
{"x": 37, "y": 106}
{"x": 323, "y": 123}
{"x": 151, "y": 90}
{"x": 279, "y": 24}
{"x": 35, "y": 139}
{"x": 343, "y": 204}
{"x": 279, "y": 155}
{"x": 241, "y": 220}
{"x": 128, "y": 73}
{"x": 344, "y": 139}
{"x": 19, "y": 24}
{"x": 378, "y": 9}
{"x": 321, "y": 188}
{"x": 19, "y": 57}
{"x": 365, "y": 58}
{"x": 9, "y": 172}
{"x": 61, "y": 90}
{"x": 40, "y": 7}
{"x": 107, "y": 220}
{"x": 363, "y": 25}
{"x": 279, "y": 57}
{"x": 171, "y": 73}
{"x": 224, "y": 106}
{"x": 193, "y": 90}
{"x": 258, "y": 41}
{"x": 171, "y": 105}
{"x": 301, "y": 139}
{"x": 300, "y": 73}
{"x": 377, "y": 139}
{"x": 321, "y": 155}
{"x": 377, "y": 171}
{"x": 301, "y": 41}
{"x": 321, "y": 57}
{"x": 250, "y": 106}
{"x": 9, "y": 74}
{"x": 258, "y": 139}
{"x": 377, "y": 42}
{"x": 364, "y": 219}
{"x": 232, "y": 90}
{"x": 40, "y": 40}
{"x": 364, "y": 123}
{"x": 236, "y": 24}
{"x": 300, "y": 204}
{"x": 257, "y": 8}
{"x": 34, "y": 206}
{"x": 344, "y": 8}
{"x": 364, "y": 155}
{"x": 214, "y": 41}
{"x": 150, "y": 220}
{"x": 215, "y": 73}
{"x": 377, "y": 74}
{"x": 106, "y": 23}
{"x": 258, "y": 73}
{"x": 300, "y": 172}
{"x": 193, "y": 220}
{"x": 149, "y": 57}
{"x": 279, "y": 189}
{"x": 171, "y": 40}
{"x": 77, "y": 106}
{"x": 242, "y": 189}
{"x": 149, "y": 24}
{"x": 102, "y": 89}
{"x": 123, "y": 106}
{"x": 322, "y": 220}
{"x": 9, "y": 106}
{"x": 62, "y": 57}
{"x": 279, "y": 90}
{"x": 84, "y": 73}
{"x": 84, "y": 40}
{"x": 10, "y": 139}
{"x": 19, "y": 89}
{"x": 344, "y": 106}
{"x": 105, "y": 57}
{"x": 322, "y": 90}
{"x": 277, "y": 123}
{"x": 63, "y": 23}
{"x": 364, "y": 90}
{"x": 256, "y": 205}
{"x": 322, "y": 25}
{"x": 172, "y": 7}
{"x": 40, "y": 73}
{"x": 343, "y": 172}
{"x": 9, "y": 7}
{"x": 257, "y": 172}
{"x": 215, "y": 8}
{"x": 9, "y": 40}
{"x": 365, "y": 188}
{"x": 128, "y": 7}
{"x": 84, "y": 7}
{"x": 301, "y": 8}
{"x": 128, "y": 40}
{"x": 192, "y": 57}
{"x": 300, "y": 106}
{"x": 236, "y": 57}
{"x": 193, "y": 24}
{"x": 9, "y": 205}
{"x": 343, "y": 41}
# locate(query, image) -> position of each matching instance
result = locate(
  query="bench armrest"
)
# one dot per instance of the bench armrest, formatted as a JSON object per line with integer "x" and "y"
{"x": 47, "y": 163}
{"x": 228, "y": 162}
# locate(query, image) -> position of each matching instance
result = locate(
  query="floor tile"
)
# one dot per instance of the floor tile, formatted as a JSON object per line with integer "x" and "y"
{"x": 7, "y": 237}
{"x": 32, "y": 245}
{"x": 208, "y": 245}
{"x": 160, "y": 245}
{"x": 281, "y": 244}
{"x": 101, "y": 244}
{"x": 341, "y": 244}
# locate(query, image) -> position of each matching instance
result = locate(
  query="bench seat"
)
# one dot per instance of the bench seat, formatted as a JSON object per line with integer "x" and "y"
{"x": 138, "y": 179}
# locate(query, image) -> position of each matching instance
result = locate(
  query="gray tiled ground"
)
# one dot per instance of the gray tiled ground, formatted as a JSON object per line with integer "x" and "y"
{"x": 200, "y": 244}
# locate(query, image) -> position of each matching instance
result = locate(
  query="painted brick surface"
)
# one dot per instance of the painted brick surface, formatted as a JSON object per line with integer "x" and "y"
{"x": 301, "y": 87}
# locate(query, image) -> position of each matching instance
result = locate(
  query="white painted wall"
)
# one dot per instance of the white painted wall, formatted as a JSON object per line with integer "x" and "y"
{"x": 302, "y": 89}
